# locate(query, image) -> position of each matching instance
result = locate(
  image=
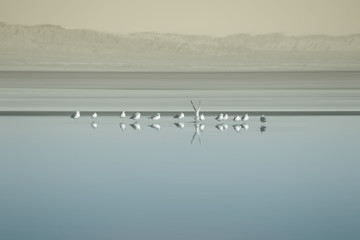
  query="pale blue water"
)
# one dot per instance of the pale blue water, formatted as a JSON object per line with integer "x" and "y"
{"x": 62, "y": 179}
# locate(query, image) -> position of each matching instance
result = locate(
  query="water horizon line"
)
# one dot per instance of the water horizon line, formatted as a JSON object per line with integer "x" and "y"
{"x": 171, "y": 113}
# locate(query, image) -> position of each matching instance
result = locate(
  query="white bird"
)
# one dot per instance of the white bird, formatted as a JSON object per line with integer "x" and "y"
{"x": 220, "y": 127}
{"x": 155, "y": 126}
{"x": 179, "y": 125}
{"x": 94, "y": 125}
{"x": 155, "y": 117}
{"x": 225, "y": 117}
{"x": 94, "y": 115}
{"x": 75, "y": 115}
{"x": 202, "y": 127}
{"x": 262, "y": 119}
{"x": 122, "y": 126}
{"x": 245, "y": 117}
{"x": 225, "y": 126}
{"x": 245, "y": 126}
{"x": 123, "y": 114}
{"x": 202, "y": 117}
{"x": 237, "y": 118}
{"x": 220, "y": 117}
{"x": 136, "y": 126}
{"x": 237, "y": 128}
{"x": 136, "y": 116}
{"x": 179, "y": 115}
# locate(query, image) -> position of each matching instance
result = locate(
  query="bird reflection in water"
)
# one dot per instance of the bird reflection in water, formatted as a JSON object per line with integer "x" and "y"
{"x": 136, "y": 126}
{"x": 237, "y": 127}
{"x": 222, "y": 127}
{"x": 245, "y": 126}
{"x": 94, "y": 125}
{"x": 262, "y": 129}
{"x": 263, "y": 121}
{"x": 179, "y": 125}
{"x": 155, "y": 126}
{"x": 122, "y": 126}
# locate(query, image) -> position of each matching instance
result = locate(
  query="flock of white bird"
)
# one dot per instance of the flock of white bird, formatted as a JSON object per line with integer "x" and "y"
{"x": 199, "y": 117}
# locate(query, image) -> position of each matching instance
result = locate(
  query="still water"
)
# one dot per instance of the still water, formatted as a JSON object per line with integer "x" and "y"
{"x": 167, "y": 91}
{"x": 62, "y": 178}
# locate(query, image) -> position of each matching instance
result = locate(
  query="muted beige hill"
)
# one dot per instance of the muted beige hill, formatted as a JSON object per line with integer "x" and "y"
{"x": 55, "y": 46}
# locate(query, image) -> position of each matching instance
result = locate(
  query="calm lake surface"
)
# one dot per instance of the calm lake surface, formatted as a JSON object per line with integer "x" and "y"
{"x": 165, "y": 91}
{"x": 297, "y": 176}
{"x": 61, "y": 178}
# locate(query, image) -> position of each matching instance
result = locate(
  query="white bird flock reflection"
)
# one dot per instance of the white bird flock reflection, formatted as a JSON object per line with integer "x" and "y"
{"x": 155, "y": 126}
{"x": 240, "y": 121}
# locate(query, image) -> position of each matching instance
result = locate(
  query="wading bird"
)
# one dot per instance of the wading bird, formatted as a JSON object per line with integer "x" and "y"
{"x": 123, "y": 114}
{"x": 136, "y": 116}
{"x": 262, "y": 118}
{"x": 220, "y": 117}
{"x": 155, "y": 117}
{"x": 245, "y": 117}
{"x": 237, "y": 118}
{"x": 179, "y": 116}
{"x": 76, "y": 115}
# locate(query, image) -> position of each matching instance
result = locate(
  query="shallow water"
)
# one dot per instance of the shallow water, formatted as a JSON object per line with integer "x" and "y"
{"x": 61, "y": 178}
{"x": 171, "y": 91}
{"x": 295, "y": 177}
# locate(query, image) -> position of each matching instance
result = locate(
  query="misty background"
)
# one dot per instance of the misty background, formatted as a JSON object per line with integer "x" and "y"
{"x": 191, "y": 17}
{"x": 234, "y": 55}
{"x": 179, "y": 36}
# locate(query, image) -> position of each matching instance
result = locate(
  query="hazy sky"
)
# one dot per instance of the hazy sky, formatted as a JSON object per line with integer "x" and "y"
{"x": 210, "y": 17}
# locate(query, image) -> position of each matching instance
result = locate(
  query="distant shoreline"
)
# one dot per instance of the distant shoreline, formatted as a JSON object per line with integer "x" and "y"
{"x": 272, "y": 92}
{"x": 178, "y": 72}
